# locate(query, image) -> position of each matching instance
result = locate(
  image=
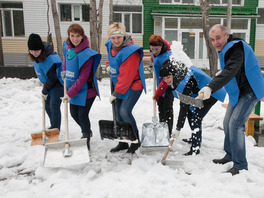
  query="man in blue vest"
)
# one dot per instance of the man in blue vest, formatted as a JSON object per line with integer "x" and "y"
{"x": 243, "y": 81}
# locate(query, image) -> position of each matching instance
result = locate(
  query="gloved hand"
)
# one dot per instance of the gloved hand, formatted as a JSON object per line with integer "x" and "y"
{"x": 44, "y": 96}
{"x": 217, "y": 73}
{"x": 66, "y": 97}
{"x": 156, "y": 97}
{"x": 175, "y": 133}
{"x": 63, "y": 74}
{"x": 112, "y": 98}
{"x": 206, "y": 92}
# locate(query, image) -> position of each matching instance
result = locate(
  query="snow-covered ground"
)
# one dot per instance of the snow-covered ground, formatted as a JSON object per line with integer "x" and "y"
{"x": 22, "y": 174}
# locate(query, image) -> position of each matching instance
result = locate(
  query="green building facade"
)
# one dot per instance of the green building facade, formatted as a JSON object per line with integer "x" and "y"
{"x": 181, "y": 20}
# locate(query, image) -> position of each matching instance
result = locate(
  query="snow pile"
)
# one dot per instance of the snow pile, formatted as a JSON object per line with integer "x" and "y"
{"x": 178, "y": 54}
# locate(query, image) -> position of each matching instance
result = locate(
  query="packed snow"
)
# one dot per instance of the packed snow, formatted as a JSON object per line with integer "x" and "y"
{"x": 109, "y": 175}
{"x": 112, "y": 175}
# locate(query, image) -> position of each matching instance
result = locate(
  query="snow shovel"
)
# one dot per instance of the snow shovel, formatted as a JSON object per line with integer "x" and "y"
{"x": 68, "y": 152}
{"x": 47, "y": 135}
{"x": 114, "y": 130}
{"x": 155, "y": 134}
{"x": 171, "y": 162}
{"x": 196, "y": 102}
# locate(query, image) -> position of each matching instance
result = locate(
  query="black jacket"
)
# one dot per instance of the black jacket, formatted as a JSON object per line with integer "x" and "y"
{"x": 234, "y": 67}
{"x": 52, "y": 80}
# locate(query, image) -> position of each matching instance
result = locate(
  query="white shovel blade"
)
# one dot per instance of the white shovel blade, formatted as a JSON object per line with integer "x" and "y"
{"x": 55, "y": 157}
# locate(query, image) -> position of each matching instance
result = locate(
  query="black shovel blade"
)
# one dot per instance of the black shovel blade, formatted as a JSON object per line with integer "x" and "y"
{"x": 120, "y": 131}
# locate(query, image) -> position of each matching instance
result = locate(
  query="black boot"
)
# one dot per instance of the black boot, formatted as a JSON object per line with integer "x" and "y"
{"x": 133, "y": 147}
{"x": 88, "y": 136}
{"x": 221, "y": 161}
{"x": 119, "y": 147}
{"x": 196, "y": 144}
{"x": 188, "y": 140}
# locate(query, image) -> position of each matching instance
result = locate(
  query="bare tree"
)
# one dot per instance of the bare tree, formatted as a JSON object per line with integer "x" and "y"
{"x": 1, "y": 46}
{"x": 228, "y": 16}
{"x": 49, "y": 39}
{"x": 111, "y": 17}
{"x": 57, "y": 28}
{"x": 96, "y": 20}
{"x": 212, "y": 54}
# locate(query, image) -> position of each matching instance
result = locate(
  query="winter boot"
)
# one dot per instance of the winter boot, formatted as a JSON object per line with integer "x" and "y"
{"x": 187, "y": 140}
{"x": 133, "y": 147}
{"x": 119, "y": 147}
{"x": 88, "y": 136}
{"x": 196, "y": 144}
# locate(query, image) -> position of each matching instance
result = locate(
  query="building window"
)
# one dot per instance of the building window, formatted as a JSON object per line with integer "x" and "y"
{"x": 176, "y": 1}
{"x": 225, "y": 2}
{"x": 12, "y": 18}
{"x": 74, "y": 12}
{"x": 195, "y": 2}
{"x": 260, "y": 20}
{"x": 130, "y": 16}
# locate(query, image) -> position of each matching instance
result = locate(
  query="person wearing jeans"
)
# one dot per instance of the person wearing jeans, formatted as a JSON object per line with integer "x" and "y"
{"x": 52, "y": 107}
{"x": 234, "y": 127}
{"x": 124, "y": 109}
{"x": 242, "y": 78}
{"x": 127, "y": 75}
{"x": 48, "y": 66}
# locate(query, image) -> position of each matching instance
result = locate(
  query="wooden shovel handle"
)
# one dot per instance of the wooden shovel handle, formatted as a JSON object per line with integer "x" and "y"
{"x": 66, "y": 113}
{"x": 168, "y": 150}
{"x": 43, "y": 117}
{"x": 154, "y": 90}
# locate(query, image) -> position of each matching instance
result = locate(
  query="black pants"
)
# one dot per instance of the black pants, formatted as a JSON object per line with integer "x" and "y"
{"x": 165, "y": 106}
{"x": 195, "y": 118}
{"x": 81, "y": 115}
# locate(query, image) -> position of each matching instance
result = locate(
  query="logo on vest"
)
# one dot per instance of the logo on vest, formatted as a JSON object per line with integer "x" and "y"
{"x": 69, "y": 75}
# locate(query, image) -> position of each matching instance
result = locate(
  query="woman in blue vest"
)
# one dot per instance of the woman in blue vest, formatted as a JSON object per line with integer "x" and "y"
{"x": 127, "y": 74}
{"x": 188, "y": 82}
{"x": 161, "y": 51}
{"x": 48, "y": 65}
{"x": 242, "y": 78}
{"x": 79, "y": 69}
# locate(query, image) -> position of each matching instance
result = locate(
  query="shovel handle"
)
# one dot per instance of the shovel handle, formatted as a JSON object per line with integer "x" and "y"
{"x": 66, "y": 113}
{"x": 154, "y": 90}
{"x": 43, "y": 117}
{"x": 168, "y": 150}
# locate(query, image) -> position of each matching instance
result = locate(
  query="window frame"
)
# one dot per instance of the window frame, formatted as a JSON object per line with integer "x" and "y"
{"x": 11, "y": 10}
{"x": 197, "y": 3}
{"x": 130, "y": 13}
{"x": 72, "y": 12}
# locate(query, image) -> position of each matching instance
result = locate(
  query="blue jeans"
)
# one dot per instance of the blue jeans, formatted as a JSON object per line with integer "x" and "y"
{"x": 52, "y": 106}
{"x": 234, "y": 127}
{"x": 81, "y": 115}
{"x": 123, "y": 109}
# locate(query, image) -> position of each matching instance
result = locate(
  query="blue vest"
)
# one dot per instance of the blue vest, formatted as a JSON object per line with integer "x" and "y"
{"x": 252, "y": 72}
{"x": 73, "y": 67}
{"x": 42, "y": 68}
{"x": 157, "y": 63}
{"x": 120, "y": 57}
{"x": 202, "y": 80}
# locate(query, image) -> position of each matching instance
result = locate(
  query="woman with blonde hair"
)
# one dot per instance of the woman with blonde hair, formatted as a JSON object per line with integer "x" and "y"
{"x": 127, "y": 74}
